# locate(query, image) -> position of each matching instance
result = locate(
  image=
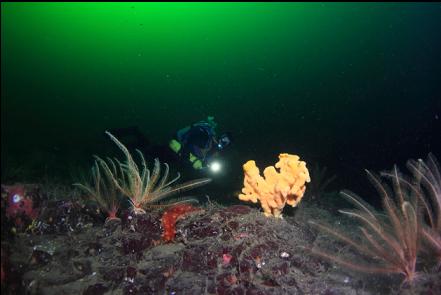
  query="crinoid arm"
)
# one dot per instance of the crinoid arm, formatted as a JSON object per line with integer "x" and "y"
{"x": 390, "y": 238}
{"x": 144, "y": 187}
{"x": 167, "y": 191}
{"x": 102, "y": 189}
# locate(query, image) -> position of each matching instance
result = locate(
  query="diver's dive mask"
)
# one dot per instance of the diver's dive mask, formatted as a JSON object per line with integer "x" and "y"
{"x": 224, "y": 141}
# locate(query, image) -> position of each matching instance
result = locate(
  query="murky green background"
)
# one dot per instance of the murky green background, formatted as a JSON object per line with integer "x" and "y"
{"x": 344, "y": 85}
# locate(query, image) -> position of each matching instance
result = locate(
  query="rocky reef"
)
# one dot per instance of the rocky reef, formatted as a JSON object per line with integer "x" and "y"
{"x": 69, "y": 249}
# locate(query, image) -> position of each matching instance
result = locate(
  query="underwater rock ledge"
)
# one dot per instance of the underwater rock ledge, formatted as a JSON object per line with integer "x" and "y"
{"x": 216, "y": 250}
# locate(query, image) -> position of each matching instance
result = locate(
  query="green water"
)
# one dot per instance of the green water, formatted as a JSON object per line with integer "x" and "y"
{"x": 344, "y": 85}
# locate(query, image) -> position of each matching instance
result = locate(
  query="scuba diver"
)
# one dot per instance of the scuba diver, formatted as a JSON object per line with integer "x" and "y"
{"x": 198, "y": 144}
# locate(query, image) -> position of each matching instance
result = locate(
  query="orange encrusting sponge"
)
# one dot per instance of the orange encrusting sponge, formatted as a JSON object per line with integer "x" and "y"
{"x": 170, "y": 217}
{"x": 275, "y": 188}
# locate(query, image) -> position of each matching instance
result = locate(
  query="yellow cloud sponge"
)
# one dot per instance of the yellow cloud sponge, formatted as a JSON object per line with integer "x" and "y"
{"x": 275, "y": 188}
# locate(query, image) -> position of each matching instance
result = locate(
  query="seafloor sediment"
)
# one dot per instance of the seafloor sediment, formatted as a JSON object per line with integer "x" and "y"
{"x": 217, "y": 250}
